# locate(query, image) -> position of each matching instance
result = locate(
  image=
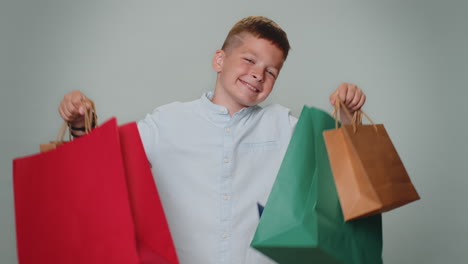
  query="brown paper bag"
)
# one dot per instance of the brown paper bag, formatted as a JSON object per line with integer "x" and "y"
{"x": 90, "y": 117}
{"x": 369, "y": 175}
{"x": 44, "y": 147}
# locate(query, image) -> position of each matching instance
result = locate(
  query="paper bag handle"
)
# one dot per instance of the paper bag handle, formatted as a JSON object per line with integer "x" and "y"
{"x": 356, "y": 119}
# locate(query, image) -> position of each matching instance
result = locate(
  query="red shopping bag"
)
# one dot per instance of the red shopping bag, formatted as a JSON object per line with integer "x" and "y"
{"x": 73, "y": 204}
{"x": 154, "y": 241}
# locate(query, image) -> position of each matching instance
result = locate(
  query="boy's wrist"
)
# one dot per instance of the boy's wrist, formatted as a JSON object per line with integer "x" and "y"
{"x": 76, "y": 134}
{"x": 77, "y": 128}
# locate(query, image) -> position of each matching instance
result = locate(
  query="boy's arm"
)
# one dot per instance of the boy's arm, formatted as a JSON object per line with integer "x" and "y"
{"x": 352, "y": 97}
{"x": 72, "y": 109}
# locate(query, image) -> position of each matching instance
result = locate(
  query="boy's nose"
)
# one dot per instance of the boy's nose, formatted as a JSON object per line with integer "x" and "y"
{"x": 257, "y": 76}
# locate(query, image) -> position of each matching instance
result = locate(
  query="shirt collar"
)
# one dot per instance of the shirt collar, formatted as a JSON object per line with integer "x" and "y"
{"x": 220, "y": 113}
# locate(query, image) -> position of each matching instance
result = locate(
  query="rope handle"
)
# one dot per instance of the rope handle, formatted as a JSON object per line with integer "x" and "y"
{"x": 90, "y": 118}
{"x": 356, "y": 119}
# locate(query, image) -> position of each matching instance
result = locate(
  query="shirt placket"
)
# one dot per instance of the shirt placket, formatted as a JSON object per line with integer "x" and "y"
{"x": 225, "y": 194}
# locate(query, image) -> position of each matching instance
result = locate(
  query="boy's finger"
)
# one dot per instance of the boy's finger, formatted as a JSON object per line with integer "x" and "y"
{"x": 350, "y": 94}
{"x": 77, "y": 100}
{"x": 71, "y": 109}
{"x": 361, "y": 102}
{"x": 357, "y": 97}
{"x": 358, "y": 106}
{"x": 342, "y": 91}
{"x": 355, "y": 101}
{"x": 87, "y": 105}
{"x": 333, "y": 97}
{"x": 66, "y": 114}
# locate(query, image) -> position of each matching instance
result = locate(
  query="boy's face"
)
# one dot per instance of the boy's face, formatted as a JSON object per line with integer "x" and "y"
{"x": 247, "y": 72}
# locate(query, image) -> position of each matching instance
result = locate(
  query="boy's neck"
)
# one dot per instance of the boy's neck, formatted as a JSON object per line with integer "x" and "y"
{"x": 232, "y": 107}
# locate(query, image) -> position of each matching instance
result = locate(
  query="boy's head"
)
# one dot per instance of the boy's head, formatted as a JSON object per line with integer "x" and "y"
{"x": 249, "y": 63}
{"x": 260, "y": 27}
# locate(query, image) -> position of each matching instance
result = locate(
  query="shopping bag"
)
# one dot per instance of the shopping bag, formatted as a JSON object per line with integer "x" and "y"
{"x": 302, "y": 221}
{"x": 153, "y": 237}
{"x": 73, "y": 203}
{"x": 369, "y": 175}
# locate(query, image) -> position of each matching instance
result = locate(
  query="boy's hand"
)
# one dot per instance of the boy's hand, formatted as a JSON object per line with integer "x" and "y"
{"x": 351, "y": 96}
{"x": 72, "y": 108}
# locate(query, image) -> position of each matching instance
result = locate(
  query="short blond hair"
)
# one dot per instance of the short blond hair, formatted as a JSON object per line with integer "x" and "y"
{"x": 260, "y": 27}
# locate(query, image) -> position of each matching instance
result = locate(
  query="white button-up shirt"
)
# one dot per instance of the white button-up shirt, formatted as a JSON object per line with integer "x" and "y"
{"x": 211, "y": 170}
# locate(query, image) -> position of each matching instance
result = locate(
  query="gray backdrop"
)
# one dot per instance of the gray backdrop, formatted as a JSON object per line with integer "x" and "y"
{"x": 410, "y": 57}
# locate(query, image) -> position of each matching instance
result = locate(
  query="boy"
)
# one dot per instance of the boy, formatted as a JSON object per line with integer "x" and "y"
{"x": 215, "y": 158}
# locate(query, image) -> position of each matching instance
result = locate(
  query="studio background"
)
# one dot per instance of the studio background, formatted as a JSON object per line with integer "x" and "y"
{"x": 410, "y": 57}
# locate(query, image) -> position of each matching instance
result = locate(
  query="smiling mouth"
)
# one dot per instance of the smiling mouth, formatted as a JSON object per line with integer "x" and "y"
{"x": 250, "y": 87}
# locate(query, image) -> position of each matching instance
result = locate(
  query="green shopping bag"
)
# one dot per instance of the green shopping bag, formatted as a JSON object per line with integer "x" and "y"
{"x": 302, "y": 221}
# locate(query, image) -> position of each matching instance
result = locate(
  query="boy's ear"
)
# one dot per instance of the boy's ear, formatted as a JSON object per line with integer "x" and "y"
{"x": 218, "y": 60}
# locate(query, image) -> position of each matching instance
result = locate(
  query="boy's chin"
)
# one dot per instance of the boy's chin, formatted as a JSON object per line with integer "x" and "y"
{"x": 248, "y": 103}
{"x": 249, "y": 100}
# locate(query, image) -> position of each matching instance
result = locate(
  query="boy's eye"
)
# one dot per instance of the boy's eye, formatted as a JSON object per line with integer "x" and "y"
{"x": 272, "y": 74}
{"x": 248, "y": 60}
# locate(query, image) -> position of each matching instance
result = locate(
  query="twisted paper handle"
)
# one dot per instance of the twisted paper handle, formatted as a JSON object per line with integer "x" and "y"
{"x": 356, "y": 119}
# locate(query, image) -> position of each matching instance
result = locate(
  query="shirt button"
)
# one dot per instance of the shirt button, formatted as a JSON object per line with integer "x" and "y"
{"x": 225, "y": 197}
{"x": 225, "y": 236}
{"x": 228, "y": 129}
{"x": 222, "y": 110}
{"x": 226, "y": 160}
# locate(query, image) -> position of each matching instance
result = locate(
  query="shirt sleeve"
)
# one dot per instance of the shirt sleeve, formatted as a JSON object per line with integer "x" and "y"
{"x": 149, "y": 132}
{"x": 292, "y": 121}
